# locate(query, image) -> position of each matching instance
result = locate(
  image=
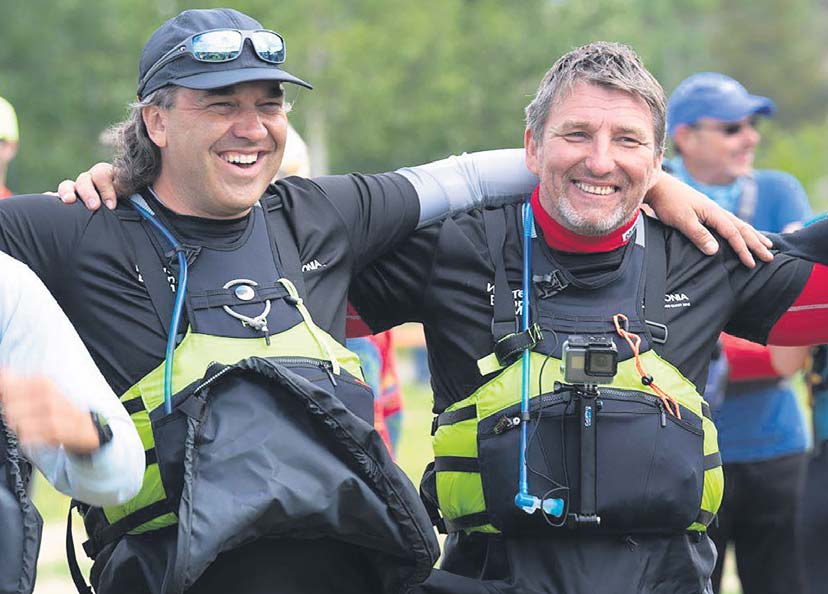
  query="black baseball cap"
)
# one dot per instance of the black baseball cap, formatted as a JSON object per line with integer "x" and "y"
{"x": 188, "y": 72}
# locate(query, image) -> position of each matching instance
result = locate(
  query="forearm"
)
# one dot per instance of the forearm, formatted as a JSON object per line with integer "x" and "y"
{"x": 809, "y": 243}
{"x": 806, "y": 320}
{"x": 112, "y": 473}
{"x": 748, "y": 361}
{"x": 470, "y": 180}
{"x": 60, "y": 383}
{"x": 105, "y": 477}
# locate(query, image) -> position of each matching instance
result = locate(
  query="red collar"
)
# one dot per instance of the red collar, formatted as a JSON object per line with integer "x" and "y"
{"x": 562, "y": 239}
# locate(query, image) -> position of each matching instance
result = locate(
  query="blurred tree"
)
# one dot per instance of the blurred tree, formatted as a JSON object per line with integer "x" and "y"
{"x": 396, "y": 82}
{"x": 777, "y": 48}
{"x": 802, "y": 152}
{"x": 69, "y": 67}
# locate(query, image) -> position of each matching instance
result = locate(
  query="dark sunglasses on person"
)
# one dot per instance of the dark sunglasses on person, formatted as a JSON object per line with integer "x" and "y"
{"x": 222, "y": 45}
{"x": 730, "y": 128}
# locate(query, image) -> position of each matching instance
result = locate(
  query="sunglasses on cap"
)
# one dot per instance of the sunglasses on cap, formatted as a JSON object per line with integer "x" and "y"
{"x": 729, "y": 128}
{"x": 222, "y": 45}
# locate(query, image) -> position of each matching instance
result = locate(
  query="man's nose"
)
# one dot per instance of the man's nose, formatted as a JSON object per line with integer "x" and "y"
{"x": 600, "y": 160}
{"x": 751, "y": 135}
{"x": 249, "y": 125}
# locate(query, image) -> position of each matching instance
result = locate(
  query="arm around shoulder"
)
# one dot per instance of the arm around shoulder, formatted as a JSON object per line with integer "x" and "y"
{"x": 470, "y": 180}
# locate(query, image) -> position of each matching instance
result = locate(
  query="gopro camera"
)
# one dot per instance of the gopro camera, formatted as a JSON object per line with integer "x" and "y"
{"x": 589, "y": 360}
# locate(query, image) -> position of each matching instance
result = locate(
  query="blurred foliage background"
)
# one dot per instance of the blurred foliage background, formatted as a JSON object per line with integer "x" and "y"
{"x": 399, "y": 83}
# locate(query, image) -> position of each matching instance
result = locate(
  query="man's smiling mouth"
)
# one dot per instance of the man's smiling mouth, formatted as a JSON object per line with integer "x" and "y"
{"x": 597, "y": 190}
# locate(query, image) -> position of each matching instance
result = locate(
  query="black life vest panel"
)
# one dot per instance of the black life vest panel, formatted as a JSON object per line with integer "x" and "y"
{"x": 270, "y": 417}
{"x": 20, "y": 522}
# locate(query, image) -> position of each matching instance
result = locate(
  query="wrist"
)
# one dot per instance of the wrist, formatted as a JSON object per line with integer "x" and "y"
{"x": 95, "y": 434}
{"x": 102, "y": 429}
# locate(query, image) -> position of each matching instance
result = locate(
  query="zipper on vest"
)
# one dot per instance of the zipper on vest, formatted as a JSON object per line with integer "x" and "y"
{"x": 635, "y": 396}
{"x": 214, "y": 378}
{"x": 653, "y": 401}
{"x": 621, "y": 395}
{"x": 325, "y": 366}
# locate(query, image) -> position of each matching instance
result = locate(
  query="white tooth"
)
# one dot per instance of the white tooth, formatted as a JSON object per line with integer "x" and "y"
{"x": 600, "y": 190}
{"x": 239, "y": 158}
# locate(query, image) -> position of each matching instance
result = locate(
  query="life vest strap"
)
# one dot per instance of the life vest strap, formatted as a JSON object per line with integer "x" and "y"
{"x": 705, "y": 517}
{"x": 712, "y": 461}
{"x": 467, "y": 522}
{"x": 112, "y": 532}
{"x": 508, "y": 348}
{"x": 456, "y": 464}
{"x": 455, "y": 416}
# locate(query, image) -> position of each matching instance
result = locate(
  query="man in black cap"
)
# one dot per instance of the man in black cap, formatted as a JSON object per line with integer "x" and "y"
{"x": 261, "y": 459}
{"x": 262, "y": 467}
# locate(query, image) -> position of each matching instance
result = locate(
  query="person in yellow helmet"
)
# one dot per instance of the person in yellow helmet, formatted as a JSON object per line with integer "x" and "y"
{"x": 9, "y": 137}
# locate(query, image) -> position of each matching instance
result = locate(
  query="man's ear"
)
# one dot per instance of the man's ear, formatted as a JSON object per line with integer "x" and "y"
{"x": 155, "y": 119}
{"x": 532, "y": 151}
{"x": 657, "y": 171}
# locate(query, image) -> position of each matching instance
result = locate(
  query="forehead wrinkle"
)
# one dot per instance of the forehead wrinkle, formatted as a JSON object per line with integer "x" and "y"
{"x": 635, "y": 130}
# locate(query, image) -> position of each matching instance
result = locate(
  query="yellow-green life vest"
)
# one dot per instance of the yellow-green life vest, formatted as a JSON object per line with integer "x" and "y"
{"x": 248, "y": 282}
{"x": 654, "y": 472}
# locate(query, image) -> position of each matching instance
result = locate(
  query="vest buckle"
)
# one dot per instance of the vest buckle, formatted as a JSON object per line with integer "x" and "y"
{"x": 550, "y": 284}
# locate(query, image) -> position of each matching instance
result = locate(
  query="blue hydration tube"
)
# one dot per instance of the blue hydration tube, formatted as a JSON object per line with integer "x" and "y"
{"x": 180, "y": 292}
{"x": 525, "y": 501}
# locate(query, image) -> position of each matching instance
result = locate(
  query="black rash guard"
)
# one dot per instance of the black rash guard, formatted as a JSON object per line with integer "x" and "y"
{"x": 443, "y": 276}
{"x": 340, "y": 223}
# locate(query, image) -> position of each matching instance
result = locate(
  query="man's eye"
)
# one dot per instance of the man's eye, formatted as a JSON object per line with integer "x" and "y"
{"x": 575, "y": 136}
{"x": 221, "y": 105}
{"x": 630, "y": 141}
{"x": 273, "y": 108}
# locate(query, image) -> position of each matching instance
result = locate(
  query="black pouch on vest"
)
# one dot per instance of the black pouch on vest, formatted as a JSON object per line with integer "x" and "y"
{"x": 648, "y": 463}
{"x": 275, "y": 453}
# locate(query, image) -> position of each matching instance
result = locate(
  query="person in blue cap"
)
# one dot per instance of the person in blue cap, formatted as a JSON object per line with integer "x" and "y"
{"x": 712, "y": 121}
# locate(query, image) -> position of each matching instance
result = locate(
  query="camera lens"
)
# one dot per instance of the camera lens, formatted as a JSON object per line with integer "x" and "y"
{"x": 601, "y": 363}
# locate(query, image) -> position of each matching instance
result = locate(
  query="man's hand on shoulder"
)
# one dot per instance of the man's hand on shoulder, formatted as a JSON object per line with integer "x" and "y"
{"x": 678, "y": 205}
{"x": 36, "y": 411}
{"x": 91, "y": 187}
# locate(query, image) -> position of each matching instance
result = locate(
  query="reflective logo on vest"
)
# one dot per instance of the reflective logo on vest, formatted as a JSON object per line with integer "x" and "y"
{"x": 312, "y": 265}
{"x": 517, "y": 297}
{"x": 672, "y": 300}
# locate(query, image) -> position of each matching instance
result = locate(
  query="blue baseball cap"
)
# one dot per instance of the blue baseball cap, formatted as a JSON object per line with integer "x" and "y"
{"x": 713, "y": 95}
{"x": 188, "y": 72}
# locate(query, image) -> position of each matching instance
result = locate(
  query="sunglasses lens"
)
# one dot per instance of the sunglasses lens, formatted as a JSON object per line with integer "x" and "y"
{"x": 737, "y": 127}
{"x": 269, "y": 46}
{"x": 217, "y": 46}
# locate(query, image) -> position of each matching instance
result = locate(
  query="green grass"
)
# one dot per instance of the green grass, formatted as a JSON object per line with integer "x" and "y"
{"x": 51, "y": 504}
{"x": 415, "y": 440}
